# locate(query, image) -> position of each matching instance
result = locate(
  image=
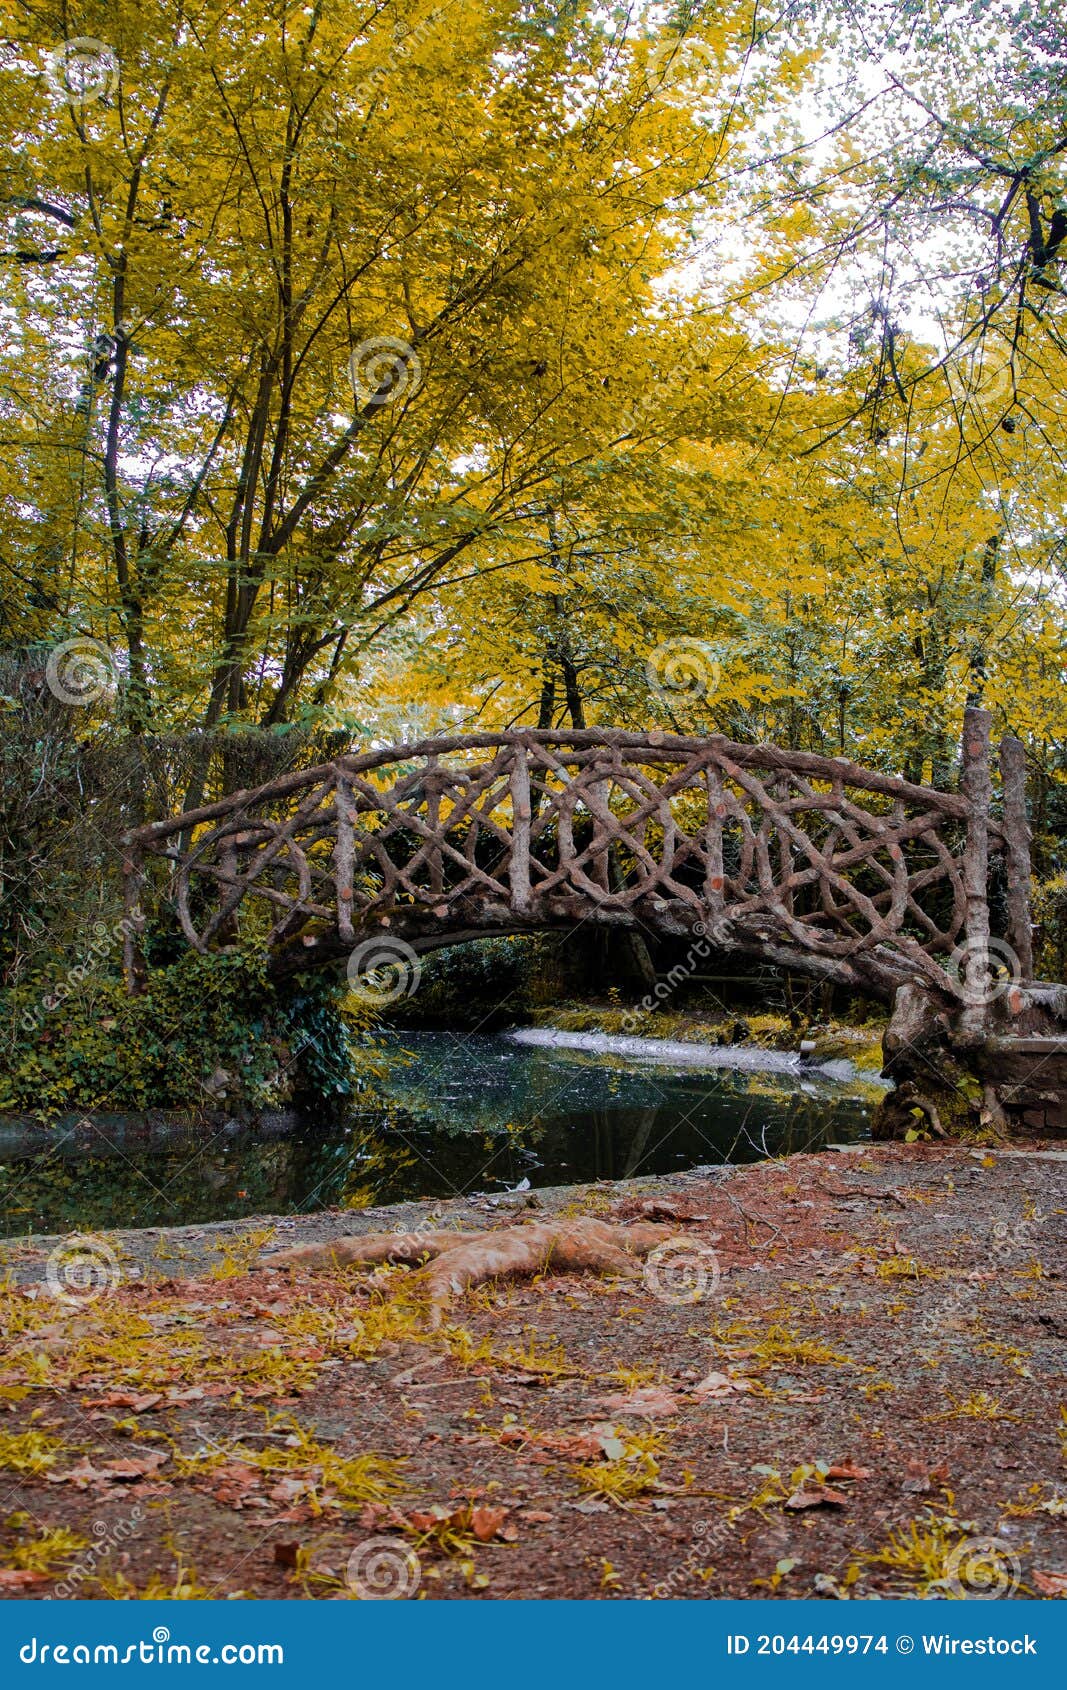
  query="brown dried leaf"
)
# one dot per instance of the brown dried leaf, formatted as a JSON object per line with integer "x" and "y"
{"x": 136, "y": 1466}
{"x": 811, "y": 1494}
{"x": 486, "y": 1522}
{"x": 722, "y": 1385}
{"x": 648, "y": 1401}
{"x": 847, "y": 1470}
{"x": 138, "y": 1401}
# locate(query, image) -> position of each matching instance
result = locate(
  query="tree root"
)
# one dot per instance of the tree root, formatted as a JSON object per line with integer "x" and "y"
{"x": 901, "y": 1110}
{"x": 457, "y": 1260}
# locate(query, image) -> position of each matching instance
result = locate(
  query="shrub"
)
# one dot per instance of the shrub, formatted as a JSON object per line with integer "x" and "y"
{"x": 209, "y": 1030}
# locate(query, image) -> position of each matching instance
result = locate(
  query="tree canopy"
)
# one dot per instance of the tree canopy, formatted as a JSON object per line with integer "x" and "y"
{"x": 394, "y": 366}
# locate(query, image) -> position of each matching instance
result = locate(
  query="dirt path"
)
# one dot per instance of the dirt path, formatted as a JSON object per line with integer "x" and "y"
{"x": 849, "y": 1377}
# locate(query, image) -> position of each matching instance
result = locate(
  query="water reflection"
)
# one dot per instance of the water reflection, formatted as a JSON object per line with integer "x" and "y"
{"x": 450, "y": 1113}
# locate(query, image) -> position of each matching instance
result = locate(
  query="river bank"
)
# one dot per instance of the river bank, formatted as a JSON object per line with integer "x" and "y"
{"x": 860, "y": 1400}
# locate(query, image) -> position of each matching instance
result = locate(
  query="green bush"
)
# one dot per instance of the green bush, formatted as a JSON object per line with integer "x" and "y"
{"x": 484, "y": 978}
{"x": 1049, "y": 902}
{"x": 209, "y": 1031}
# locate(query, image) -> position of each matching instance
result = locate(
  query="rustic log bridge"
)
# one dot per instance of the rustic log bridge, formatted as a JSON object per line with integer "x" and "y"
{"x": 813, "y": 863}
{"x": 809, "y": 861}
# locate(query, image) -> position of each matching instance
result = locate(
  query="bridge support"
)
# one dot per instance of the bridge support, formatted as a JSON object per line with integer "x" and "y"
{"x": 1013, "y": 1079}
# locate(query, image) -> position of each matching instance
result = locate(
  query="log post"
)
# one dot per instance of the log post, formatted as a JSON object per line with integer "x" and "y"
{"x": 228, "y": 928}
{"x": 714, "y": 873}
{"x": 977, "y": 787}
{"x": 600, "y": 861}
{"x": 521, "y": 816}
{"x": 343, "y": 857}
{"x": 433, "y": 783}
{"x": 1017, "y": 853}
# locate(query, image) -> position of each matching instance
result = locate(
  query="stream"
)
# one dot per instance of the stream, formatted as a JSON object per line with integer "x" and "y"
{"x": 446, "y": 1113}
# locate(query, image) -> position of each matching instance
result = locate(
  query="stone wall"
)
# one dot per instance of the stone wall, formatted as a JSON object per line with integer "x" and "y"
{"x": 1029, "y": 1075}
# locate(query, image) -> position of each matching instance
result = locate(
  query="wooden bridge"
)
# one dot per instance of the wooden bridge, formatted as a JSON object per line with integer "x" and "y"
{"x": 811, "y": 862}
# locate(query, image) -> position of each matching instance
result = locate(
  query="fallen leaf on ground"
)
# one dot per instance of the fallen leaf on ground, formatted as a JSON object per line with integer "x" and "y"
{"x": 138, "y": 1401}
{"x": 575, "y": 1446}
{"x": 287, "y": 1490}
{"x": 483, "y": 1523}
{"x": 1050, "y": 1583}
{"x": 648, "y": 1400}
{"x": 721, "y": 1385}
{"x": 136, "y": 1466}
{"x": 661, "y": 1209}
{"x": 919, "y": 1478}
{"x": 486, "y": 1522}
{"x": 811, "y": 1494}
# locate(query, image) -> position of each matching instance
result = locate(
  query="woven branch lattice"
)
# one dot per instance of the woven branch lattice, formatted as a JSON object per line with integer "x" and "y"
{"x": 862, "y": 877}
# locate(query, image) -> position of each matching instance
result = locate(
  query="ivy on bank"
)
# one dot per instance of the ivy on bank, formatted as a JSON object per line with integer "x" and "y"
{"x": 209, "y": 1031}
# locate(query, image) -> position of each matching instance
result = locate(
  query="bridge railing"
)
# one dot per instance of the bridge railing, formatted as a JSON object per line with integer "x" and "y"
{"x": 808, "y": 860}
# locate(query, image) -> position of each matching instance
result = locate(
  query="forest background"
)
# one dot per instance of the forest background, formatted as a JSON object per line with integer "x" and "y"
{"x": 374, "y": 370}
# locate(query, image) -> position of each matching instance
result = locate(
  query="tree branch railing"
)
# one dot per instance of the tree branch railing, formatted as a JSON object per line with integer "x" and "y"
{"x": 809, "y": 861}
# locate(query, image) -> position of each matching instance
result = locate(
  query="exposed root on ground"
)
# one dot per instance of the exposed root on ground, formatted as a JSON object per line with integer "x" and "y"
{"x": 458, "y": 1260}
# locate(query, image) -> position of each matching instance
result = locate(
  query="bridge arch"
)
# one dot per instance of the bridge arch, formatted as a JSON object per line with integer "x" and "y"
{"x": 812, "y": 862}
